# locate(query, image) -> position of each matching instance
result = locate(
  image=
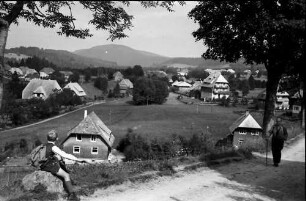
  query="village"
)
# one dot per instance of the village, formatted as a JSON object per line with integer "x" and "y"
{"x": 152, "y": 100}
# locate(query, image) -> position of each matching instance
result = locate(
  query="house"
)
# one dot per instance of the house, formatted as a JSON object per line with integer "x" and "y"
{"x": 296, "y": 103}
{"x": 181, "y": 86}
{"x": 66, "y": 74}
{"x": 43, "y": 75}
{"x": 118, "y": 76}
{"x": 40, "y": 89}
{"x": 126, "y": 87}
{"x": 281, "y": 103}
{"x": 245, "y": 128}
{"x": 215, "y": 86}
{"x": 24, "y": 69}
{"x": 17, "y": 70}
{"x": 47, "y": 70}
{"x": 90, "y": 139}
{"x": 76, "y": 88}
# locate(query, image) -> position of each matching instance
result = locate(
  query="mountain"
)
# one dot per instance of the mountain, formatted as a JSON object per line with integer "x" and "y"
{"x": 122, "y": 55}
{"x": 61, "y": 58}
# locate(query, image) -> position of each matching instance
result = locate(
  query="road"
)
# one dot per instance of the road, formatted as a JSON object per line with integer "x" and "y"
{"x": 246, "y": 180}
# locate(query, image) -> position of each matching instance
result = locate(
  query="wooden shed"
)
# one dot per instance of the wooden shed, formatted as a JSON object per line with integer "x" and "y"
{"x": 90, "y": 139}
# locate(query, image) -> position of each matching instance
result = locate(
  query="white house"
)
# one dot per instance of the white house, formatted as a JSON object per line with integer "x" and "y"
{"x": 78, "y": 90}
{"x": 215, "y": 86}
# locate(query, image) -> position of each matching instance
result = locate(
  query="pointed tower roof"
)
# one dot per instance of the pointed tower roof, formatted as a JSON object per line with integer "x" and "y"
{"x": 93, "y": 125}
{"x": 245, "y": 121}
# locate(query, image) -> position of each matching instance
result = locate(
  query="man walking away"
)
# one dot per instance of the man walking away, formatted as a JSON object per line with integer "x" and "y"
{"x": 279, "y": 135}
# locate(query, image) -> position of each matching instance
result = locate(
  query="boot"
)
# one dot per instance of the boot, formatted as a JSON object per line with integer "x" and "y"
{"x": 68, "y": 187}
{"x": 73, "y": 197}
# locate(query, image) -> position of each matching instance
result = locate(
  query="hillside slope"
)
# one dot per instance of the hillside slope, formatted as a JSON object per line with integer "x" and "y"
{"x": 62, "y": 58}
{"x": 122, "y": 55}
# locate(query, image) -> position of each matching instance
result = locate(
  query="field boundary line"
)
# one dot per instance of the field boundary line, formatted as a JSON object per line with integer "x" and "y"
{"x": 51, "y": 118}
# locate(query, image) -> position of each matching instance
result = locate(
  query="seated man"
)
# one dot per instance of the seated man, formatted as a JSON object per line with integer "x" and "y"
{"x": 54, "y": 155}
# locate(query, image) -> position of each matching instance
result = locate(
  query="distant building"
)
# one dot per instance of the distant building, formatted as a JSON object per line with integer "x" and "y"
{"x": 245, "y": 128}
{"x": 17, "y": 70}
{"x": 76, "y": 88}
{"x": 118, "y": 76}
{"x": 215, "y": 86}
{"x": 90, "y": 139}
{"x": 126, "y": 87}
{"x": 281, "y": 103}
{"x": 38, "y": 88}
{"x": 47, "y": 70}
{"x": 66, "y": 74}
{"x": 296, "y": 103}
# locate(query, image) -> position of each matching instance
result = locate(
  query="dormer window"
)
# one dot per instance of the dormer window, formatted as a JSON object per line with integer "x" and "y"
{"x": 242, "y": 132}
{"x": 93, "y": 138}
{"x": 78, "y": 137}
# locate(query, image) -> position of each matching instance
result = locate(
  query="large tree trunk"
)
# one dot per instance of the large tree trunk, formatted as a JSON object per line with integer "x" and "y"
{"x": 4, "y": 25}
{"x": 271, "y": 89}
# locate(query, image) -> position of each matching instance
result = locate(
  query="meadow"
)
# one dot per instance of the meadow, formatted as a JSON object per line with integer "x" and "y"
{"x": 152, "y": 121}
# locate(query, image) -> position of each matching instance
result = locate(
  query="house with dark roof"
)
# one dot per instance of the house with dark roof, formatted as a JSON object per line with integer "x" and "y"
{"x": 38, "y": 88}
{"x": 90, "y": 139}
{"x": 215, "y": 86}
{"x": 245, "y": 128}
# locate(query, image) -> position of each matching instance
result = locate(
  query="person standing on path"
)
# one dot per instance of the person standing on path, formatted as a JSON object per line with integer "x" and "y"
{"x": 279, "y": 136}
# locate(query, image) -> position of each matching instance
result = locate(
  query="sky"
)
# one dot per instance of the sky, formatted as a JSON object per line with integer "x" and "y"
{"x": 154, "y": 30}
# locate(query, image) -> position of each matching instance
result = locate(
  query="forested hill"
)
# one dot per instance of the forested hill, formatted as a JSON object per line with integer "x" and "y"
{"x": 62, "y": 58}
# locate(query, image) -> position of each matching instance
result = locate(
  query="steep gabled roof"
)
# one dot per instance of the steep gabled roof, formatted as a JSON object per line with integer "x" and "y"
{"x": 78, "y": 90}
{"x": 93, "y": 125}
{"x": 47, "y": 85}
{"x": 126, "y": 83}
{"x": 17, "y": 70}
{"x": 245, "y": 121}
{"x": 213, "y": 78}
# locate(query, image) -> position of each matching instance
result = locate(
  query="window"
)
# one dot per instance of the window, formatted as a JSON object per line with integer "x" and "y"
{"x": 78, "y": 137}
{"x": 240, "y": 141}
{"x": 255, "y": 133}
{"x": 94, "y": 150}
{"x": 76, "y": 149}
{"x": 93, "y": 138}
{"x": 242, "y": 132}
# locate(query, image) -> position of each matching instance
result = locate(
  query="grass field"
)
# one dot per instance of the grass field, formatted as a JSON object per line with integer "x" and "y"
{"x": 160, "y": 121}
{"x": 153, "y": 121}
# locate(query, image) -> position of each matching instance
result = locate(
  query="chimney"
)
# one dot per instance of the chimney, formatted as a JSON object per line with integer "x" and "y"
{"x": 247, "y": 112}
{"x": 85, "y": 114}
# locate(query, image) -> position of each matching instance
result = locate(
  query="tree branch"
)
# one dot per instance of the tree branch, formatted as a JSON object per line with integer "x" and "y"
{"x": 15, "y": 12}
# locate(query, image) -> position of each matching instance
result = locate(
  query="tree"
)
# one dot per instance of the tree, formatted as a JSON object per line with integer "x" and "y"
{"x": 59, "y": 77}
{"x": 143, "y": 91}
{"x": 138, "y": 71}
{"x": 101, "y": 83}
{"x": 161, "y": 92}
{"x": 106, "y": 15}
{"x": 271, "y": 33}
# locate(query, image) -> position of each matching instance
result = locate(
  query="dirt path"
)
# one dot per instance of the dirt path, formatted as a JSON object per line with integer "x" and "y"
{"x": 247, "y": 180}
